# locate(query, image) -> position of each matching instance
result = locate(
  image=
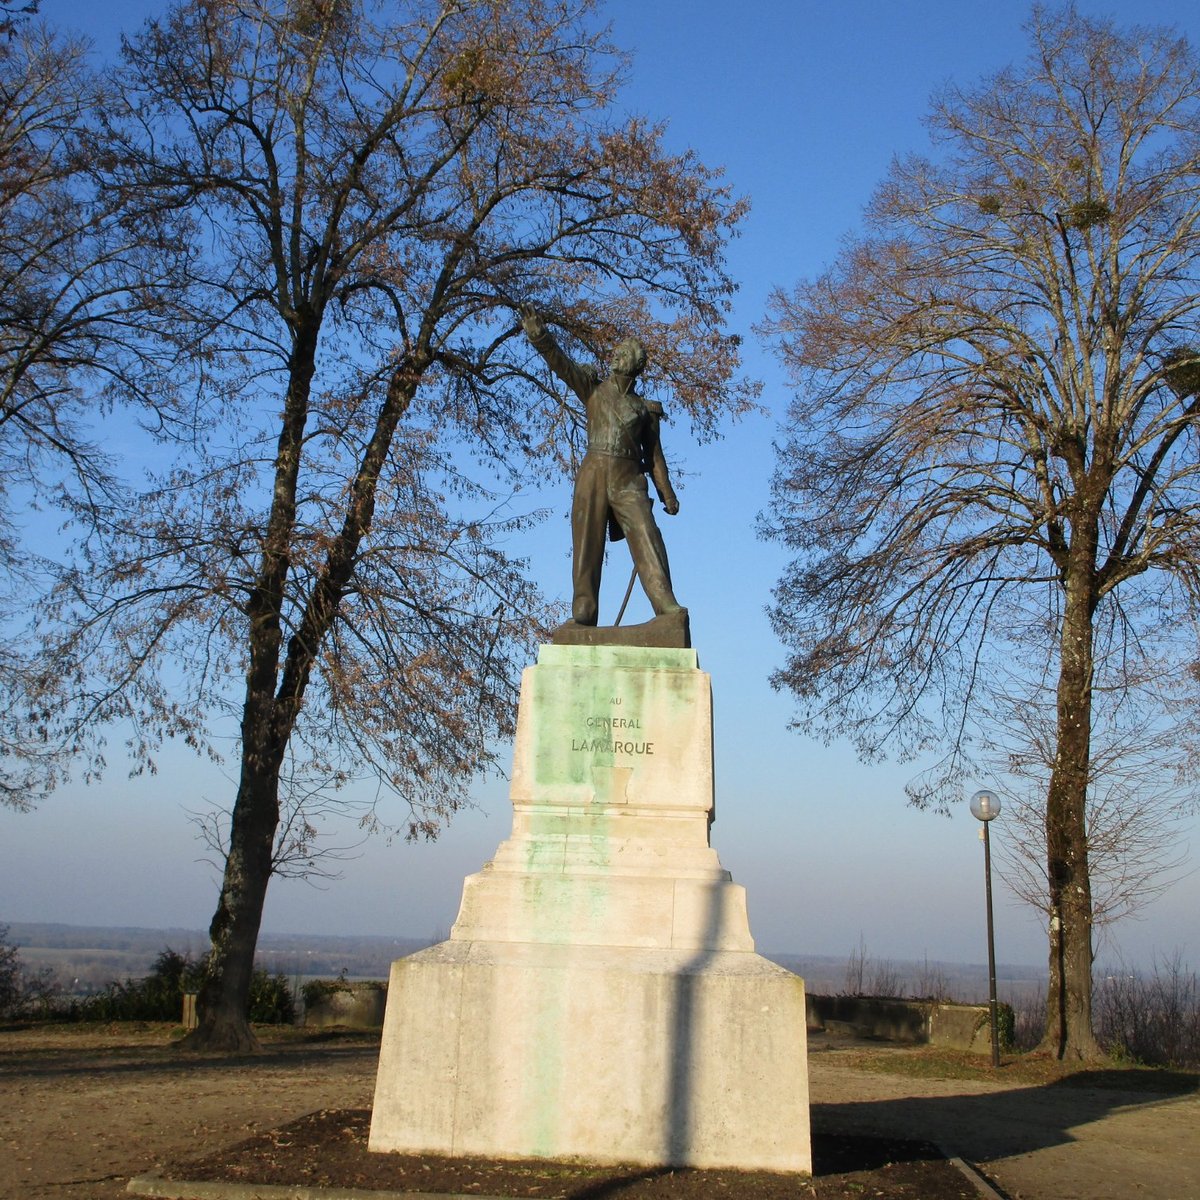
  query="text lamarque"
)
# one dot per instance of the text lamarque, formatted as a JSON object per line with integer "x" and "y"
{"x": 601, "y": 746}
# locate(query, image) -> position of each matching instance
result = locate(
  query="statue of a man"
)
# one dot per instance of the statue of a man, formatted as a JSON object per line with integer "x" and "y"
{"x": 610, "y": 489}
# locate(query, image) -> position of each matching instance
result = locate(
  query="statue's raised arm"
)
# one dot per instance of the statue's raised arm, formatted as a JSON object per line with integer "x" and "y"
{"x": 611, "y": 492}
{"x": 579, "y": 378}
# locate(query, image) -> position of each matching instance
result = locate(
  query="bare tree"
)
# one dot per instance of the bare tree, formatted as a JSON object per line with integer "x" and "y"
{"x": 1142, "y": 787}
{"x": 369, "y": 204}
{"x": 12, "y": 14}
{"x": 991, "y": 459}
{"x": 77, "y": 278}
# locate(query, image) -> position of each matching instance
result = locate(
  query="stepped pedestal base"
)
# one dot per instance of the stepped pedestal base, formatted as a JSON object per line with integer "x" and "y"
{"x": 599, "y": 996}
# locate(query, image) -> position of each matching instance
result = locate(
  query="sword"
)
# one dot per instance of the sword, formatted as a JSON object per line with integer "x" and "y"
{"x": 628, "y": 593}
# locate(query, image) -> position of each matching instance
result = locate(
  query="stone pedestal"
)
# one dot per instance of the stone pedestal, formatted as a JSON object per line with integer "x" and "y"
{"x": 599, "y": 996}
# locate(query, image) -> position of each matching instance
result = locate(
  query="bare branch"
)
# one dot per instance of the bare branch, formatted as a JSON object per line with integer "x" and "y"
{"x": 990, "y": 482}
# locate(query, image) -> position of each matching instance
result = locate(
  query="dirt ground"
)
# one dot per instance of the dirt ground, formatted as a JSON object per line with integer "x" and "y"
{"x": 82, "y": 1110}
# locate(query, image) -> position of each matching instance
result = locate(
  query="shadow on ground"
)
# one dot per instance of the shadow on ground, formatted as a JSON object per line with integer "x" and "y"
{"x": 984, "y": 1126}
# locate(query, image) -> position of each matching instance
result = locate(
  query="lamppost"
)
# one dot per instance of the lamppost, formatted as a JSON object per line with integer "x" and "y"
{"x": 985, "y": 805}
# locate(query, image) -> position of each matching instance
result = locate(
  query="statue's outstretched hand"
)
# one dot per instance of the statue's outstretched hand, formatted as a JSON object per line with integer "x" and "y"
{"x": 531, "y": 321}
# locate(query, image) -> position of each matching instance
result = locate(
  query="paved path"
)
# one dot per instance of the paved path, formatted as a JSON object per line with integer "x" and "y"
{"x": 1056, "y": 1142}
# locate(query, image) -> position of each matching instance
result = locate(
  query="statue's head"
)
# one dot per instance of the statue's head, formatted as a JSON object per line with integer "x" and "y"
{"x": 629, "y": 357}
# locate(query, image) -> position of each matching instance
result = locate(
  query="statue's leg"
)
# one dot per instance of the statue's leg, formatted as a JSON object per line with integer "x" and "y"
{"x": 630, "y": 501}
{"x": 589, "y": 522}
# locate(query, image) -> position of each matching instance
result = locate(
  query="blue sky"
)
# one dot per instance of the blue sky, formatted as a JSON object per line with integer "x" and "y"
{"x": 804, "y": 104}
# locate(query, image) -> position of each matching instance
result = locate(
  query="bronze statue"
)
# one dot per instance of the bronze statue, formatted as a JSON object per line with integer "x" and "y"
{"x": 610, "y": 489}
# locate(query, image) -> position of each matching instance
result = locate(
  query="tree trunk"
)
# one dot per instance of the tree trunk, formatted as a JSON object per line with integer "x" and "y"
{"x": 224, "y": 1000}
{"x": 1069, "y": 999}
{"x": 270, "y": 713}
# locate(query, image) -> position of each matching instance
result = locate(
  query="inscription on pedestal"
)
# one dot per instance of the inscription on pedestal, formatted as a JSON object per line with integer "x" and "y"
{"x": 611, "y": 735}
{"x": 596, "y": 710}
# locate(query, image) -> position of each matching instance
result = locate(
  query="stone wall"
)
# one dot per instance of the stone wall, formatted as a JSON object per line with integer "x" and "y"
{"x": 920, "y": 1022}
{"x": 349, "y": 1005}
{"x": 923, "y": 1022}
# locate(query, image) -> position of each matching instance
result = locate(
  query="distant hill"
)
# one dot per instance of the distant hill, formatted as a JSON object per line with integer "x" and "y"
{"x": 965, "y": 982}
{"x": 87, "y": 957}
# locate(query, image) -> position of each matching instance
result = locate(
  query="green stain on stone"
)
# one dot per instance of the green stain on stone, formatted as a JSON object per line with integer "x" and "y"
{"x": 578, "y": 688}
{"x": 580, "y": 784}
{"x": 638, "y": 658}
